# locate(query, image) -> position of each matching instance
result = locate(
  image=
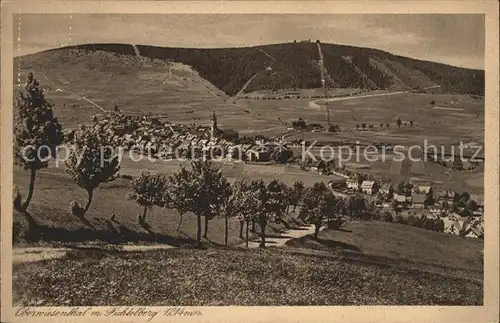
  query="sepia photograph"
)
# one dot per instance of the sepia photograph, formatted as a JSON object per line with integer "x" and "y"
{"x": 247, "y": 159}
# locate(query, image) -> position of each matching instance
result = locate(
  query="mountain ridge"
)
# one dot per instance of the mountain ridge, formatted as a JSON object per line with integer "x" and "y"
{"x": 296, "y": 65}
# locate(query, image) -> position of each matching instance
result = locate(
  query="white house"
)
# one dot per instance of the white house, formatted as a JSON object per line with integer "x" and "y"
{"x": 423, "y": 189}
{"x": 369, "y": 187}
{"x": 400, "y": 198}
{"x": 352, "y": 183}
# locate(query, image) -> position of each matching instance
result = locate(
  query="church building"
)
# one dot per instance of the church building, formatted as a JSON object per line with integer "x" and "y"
{"x": 228, "y": 134}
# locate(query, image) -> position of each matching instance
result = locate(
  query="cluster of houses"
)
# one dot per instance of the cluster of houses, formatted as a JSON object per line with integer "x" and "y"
{"x": 422, "y": 200}
{"x": 149, "y": 136}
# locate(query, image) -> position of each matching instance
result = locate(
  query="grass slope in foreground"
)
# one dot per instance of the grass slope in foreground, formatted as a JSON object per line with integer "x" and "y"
{"x": 396, "y": 242}
{"x": 232, "y": 277}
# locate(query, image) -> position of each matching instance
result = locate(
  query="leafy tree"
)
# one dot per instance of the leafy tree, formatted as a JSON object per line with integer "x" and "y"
{"x": 472, "y": 205}
{"x": 395, "y": 205}
{"x": 363, "y": 125}
{"x": 357, "y": 127}
{"x": 248, "y": 204}
{"x": 177, "y": 190}
{"x": 387, "y": 217}
{"x": 429, "y": 198}
{"x": 148, "y": 190}
{"x": 230, "y": 207}
{"x": 400, "y": 219}
{"x": 464, "y": 197}
{"x": 390, "y": 194}
{"x": 297, "y": 192}
{"x": 278, "y": 199}
{"x": 398, "y": 122}
{"x": 356, "y": 206}
{"x": 411, "y": 123}
{"x": 387, "y": 126}
{"x": 91, "y": 162}
{"x": 457, "y": 164}
{"x": 401, "y": 189}
{"x": 37, "y": 133}
{"x": 381, "y": 126}
{"x": 201, "y": 188}
{"x": 318, "y": 205}
{"x": 281, "y": 155}
{"x": 267, "y": 204}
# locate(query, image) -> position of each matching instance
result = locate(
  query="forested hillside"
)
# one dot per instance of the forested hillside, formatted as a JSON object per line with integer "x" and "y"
{"x": 297, "y": 65}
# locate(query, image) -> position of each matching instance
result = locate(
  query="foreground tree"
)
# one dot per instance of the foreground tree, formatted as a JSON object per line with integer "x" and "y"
{"x": 148, "y": 190}
{"x": 248, "y": 204}
{"x": 356, "y": 206}
{"x": 278, "y": 199}
{"x": 176, "y": 193}
{"x": 264, "y": 209}
{"x": 231, "y": 206}
{"x": 91, "y": 162}
{"x": 37, "y": 133}
{"x": 297, "y": 192}
{"x": 318, "y": 206}
{"x": 200, "y": 189}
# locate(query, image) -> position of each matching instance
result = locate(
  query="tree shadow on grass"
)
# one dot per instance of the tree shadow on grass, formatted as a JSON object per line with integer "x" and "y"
{"x": 276, "y": 230}
{"x": 87, "y": 222}
{"x": 212, "y": 242}
{"x": 336, "y": 244}
{"x": 300, "y": 229}
{"x": 278, "y": 236}
{"x": 111, "y": 232}
{"x": 342, "y": 230}
{"x": 296, "y": 222}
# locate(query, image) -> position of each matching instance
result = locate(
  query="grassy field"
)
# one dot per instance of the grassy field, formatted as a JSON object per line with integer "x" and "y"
{"x": 233, "y": 277}
{"x": 399, "y": 242}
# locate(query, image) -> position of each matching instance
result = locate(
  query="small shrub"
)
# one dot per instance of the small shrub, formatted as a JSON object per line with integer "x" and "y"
{"x": 400, "y": 219}
{"x": 125, "y": 176}
{"x": 18, "y": 203}
{"x": 388, "y": 217}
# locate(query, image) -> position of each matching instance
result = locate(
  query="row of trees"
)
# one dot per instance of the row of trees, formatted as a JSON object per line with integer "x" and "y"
{"x": 203, "y": 191}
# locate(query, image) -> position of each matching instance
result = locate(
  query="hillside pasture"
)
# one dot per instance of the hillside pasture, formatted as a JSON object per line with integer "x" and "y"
{"x": 272, "y": 277}
{"x": 401, "y": 242}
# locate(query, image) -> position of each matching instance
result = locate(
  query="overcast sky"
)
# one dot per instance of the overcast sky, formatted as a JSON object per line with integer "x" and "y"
{"x": 452, "y": 39}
